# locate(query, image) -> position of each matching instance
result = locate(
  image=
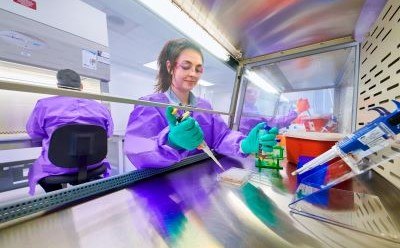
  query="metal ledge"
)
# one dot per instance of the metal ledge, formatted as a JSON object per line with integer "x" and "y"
{"x": 36, "y": 205}
{"x": 320, "y": 47}
{"x": 24, "y": 87}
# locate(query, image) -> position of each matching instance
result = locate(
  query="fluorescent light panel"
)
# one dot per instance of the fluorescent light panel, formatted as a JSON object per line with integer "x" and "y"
{"x": 260, "y": 82}
{"x": 27, "y": 74}
{"x": 284, "y": 99}
{"x": 205, "y": 83}
{"x": 180, "y": 20}
{"x": 152, "y": 65}
{"x": 38, "y": 76}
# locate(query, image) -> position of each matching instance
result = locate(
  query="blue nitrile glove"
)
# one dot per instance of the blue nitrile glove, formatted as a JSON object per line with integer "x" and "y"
{"x": 267, "y": 139}
{"x": 184, "y": 135}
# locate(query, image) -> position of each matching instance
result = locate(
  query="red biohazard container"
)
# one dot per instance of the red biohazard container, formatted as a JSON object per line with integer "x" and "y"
{"x": 311, "y": 144}
{"x": 315, "y": 124}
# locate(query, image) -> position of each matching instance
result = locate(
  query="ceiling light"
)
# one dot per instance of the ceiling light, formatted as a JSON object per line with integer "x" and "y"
{"x": 260, "y": 82}
{"x": 152, "y": 65}
{"x": 205, "y": 83}
{"x": 284, "y": 99}
{"x": 181, "y": 21}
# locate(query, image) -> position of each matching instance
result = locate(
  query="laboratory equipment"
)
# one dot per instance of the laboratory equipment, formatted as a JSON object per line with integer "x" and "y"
{"x": 41, "y": 36}
{"x": 203, "y": 146}
{"x": 235, "y": 176}
{"x": 261, "y": 132}
{"x": 355, "y": 148}
{"x": 268, "y": 160}
{"x": 311, "y": 144}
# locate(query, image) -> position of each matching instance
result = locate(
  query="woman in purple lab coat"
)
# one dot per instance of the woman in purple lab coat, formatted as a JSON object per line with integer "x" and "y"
{"x": 152, "y": 139}
{"x": 53, "y": 112}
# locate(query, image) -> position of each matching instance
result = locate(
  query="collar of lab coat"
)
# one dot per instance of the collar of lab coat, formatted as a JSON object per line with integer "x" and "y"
{"x": 174, "y": 99}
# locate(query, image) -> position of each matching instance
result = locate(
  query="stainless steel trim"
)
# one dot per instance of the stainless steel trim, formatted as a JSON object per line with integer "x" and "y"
{"x": 236, "y": 97}
{"x": 302, "y": 51}
{"x": 16, "y": 86}
{"x": 356, "y": 86}
{"x": 42, "y": 203}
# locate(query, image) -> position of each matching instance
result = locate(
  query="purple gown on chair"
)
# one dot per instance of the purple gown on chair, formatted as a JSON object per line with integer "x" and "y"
{"x": 50, "y": 113}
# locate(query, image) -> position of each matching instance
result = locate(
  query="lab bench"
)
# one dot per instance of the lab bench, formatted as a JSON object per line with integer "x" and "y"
{"x": 188, "y": 207}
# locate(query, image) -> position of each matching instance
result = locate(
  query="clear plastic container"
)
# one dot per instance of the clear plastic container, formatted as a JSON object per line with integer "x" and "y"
{"x": 235, "y": 176}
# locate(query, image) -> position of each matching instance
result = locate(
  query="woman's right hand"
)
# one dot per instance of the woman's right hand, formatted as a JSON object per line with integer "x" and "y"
{"x": 184, "y": 135}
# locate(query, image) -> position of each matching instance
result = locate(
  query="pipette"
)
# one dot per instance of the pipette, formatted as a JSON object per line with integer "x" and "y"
{"x": 261, "y": 132}
{"x": 207, "y": 150}
{"x": 363, "y": 142}
{"x": 203, "y": 146}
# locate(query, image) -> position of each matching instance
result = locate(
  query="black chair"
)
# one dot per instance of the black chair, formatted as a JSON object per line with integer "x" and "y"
{"x": 76, "y": 146}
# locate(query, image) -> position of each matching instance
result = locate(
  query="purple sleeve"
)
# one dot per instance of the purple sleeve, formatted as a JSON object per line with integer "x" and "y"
{"x": 227, "y": 141}
{"x": 281, "y": 121}
{"x": 146, "y": 139}
{"x": 110, "y": 124}
{"x": 34, "y": 126}
{"x": 247, "y": 123}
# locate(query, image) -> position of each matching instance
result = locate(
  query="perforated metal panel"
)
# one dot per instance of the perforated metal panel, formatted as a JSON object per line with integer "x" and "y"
{"x": 379, "y": 75}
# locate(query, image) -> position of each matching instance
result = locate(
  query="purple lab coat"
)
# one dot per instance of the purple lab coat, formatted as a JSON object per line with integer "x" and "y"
{"x": 147, "y": 134}
{"x": 248, "y": 122}
{"x": 50, "y": 113}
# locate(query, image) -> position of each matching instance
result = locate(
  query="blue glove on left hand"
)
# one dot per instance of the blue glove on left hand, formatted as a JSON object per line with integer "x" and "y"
{"x": 267, "y": 139}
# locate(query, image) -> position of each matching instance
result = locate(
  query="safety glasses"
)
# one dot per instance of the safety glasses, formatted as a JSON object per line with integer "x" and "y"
{"x": 186, "y": 66}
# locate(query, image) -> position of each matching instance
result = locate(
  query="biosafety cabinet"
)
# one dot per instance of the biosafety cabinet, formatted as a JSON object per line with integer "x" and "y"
{"x": 320, "y": 65}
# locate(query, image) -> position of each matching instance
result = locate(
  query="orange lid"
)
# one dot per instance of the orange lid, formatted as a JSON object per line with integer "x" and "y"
{"x": 316, "y": 136}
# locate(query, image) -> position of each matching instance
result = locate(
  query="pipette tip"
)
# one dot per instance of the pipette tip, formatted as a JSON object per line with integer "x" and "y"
{"x": 220, "y": 165}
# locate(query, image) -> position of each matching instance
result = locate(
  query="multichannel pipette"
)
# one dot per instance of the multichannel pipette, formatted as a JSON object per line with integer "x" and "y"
{"x": 363, "y": 142}
{"x": 203, "y": 146}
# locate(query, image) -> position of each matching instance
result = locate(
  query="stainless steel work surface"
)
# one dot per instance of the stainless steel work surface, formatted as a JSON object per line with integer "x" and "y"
{"x": 190, "y": 208}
